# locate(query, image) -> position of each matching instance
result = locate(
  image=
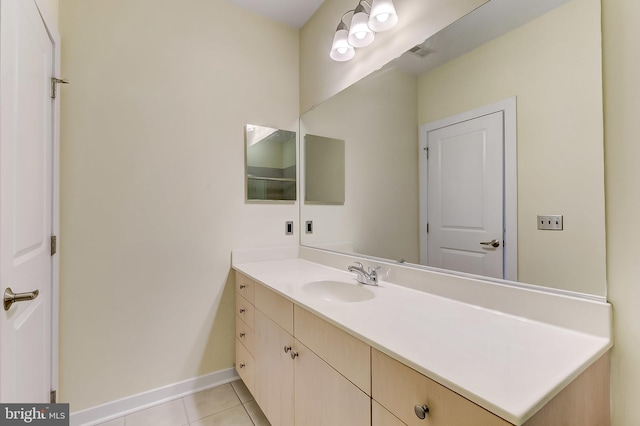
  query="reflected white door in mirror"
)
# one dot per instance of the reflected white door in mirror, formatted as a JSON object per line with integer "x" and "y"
{"x": 466, "y": 214}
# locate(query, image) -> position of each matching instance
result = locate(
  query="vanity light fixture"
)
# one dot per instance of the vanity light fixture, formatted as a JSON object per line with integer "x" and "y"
{"x": 382, "y": 16}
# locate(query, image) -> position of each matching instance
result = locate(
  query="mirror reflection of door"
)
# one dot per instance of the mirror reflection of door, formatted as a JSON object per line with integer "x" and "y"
{"x": 464, "y": 205}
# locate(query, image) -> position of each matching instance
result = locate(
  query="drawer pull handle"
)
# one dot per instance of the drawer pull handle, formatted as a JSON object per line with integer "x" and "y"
{"x": 242, "y": 311}
{"x": 242, "y": 287}
{"x": 294, "y": 355}
{"x": 242, "y": 334}
{"x": 421, "y": 411}
{"x": 241, "y": 365}
{"x": 287, "y": 349}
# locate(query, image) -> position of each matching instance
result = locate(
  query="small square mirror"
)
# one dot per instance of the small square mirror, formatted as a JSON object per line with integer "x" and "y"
{"x": 270, "y": 164}
{"x": 323, "y": 170}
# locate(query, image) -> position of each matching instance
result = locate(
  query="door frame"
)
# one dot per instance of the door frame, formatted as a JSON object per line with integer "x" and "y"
{"x": 51, "y": 26}
{"x": 509, "y": 176}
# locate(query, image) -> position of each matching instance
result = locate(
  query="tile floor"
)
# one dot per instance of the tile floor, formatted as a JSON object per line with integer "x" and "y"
{"x": 225, "y": 405}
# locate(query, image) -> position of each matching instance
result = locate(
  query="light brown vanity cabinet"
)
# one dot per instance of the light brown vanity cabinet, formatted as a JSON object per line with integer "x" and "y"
{"x": 294, "y": 384}
{"x": 302, "y": 370}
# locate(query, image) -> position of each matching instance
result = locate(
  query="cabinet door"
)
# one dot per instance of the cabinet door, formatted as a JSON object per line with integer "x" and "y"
{"x": 274, "y": 371}
{"x": 323, "y": 396}
{"x": 349, "y": 356}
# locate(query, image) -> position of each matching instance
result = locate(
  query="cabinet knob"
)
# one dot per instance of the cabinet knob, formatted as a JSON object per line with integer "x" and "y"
{"x": 242, "y": 311}
{"x": 242, "y": 334}
{"x": 287, "y": 349}
{"x": 242, "y": 287}
{"x": 294, "y": 355}
{"x": 421, "y": 411}
{"x": 242, "y": 365}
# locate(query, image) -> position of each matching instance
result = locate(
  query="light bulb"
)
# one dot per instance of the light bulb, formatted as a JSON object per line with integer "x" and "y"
{"x": 383, "y": 17}
{"x": 342, "y": 50}
{"x": 360, "y": 35}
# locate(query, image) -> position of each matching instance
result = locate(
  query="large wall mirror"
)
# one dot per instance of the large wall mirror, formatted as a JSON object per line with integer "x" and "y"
{"x": 545, "y": 54}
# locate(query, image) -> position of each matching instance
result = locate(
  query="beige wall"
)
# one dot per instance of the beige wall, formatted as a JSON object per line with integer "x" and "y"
{"x": 321, "y": 77}
{"x": 152, "y": 177}
{"x": 553, "y": 66}
{"x": 621, "y": 33}
{"x": 377, "y": 119}
{"x": 52, "y": 7}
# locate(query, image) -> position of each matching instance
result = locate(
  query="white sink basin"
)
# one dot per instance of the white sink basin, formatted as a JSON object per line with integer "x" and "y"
{"x": 338, "y": 291}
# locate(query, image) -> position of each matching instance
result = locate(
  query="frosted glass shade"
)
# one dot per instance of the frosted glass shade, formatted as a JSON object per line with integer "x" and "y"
{"x": 383, "y": 15}
{"x": 341, "y": 50}
{"x": 360, "y": 35}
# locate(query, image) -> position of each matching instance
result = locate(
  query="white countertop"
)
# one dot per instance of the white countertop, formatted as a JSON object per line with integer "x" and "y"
{"x": 510, "y": 365}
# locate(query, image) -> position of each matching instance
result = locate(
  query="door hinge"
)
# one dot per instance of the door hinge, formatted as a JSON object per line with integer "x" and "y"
{"x": 53, "y": 397}
{"x": 427, "y": 228}
{"x": 54, "y": 244}
{"x": 54, "y": 86}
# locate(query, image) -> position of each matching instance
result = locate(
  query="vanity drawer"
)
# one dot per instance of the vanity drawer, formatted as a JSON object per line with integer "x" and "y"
{"x": 276, "y": 307}
{"x": 246, "y": 311}
{"x": 399, "y": 389}
{"x": 245, "y": 286}
{"x": 349, "y": 356}
{"x": 245, "y": 366}
{"x": 245, "y": 335}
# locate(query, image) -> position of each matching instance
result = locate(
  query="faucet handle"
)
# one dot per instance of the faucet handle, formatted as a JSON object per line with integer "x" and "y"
{"x": 360, "y": 265}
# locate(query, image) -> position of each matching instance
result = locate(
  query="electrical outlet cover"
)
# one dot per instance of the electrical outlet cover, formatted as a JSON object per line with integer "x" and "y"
{"x": 551, "y": 222}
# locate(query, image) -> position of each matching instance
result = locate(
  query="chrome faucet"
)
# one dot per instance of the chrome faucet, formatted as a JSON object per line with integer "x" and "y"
{"x": 368, "y": 277}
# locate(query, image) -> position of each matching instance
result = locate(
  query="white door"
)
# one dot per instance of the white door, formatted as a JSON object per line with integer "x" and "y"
{"x": 465, "y": 196}
{"x": 26, "y": 68}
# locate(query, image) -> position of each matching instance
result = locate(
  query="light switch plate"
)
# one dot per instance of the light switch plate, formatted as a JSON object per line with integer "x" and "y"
{"x": 551, "y": 222}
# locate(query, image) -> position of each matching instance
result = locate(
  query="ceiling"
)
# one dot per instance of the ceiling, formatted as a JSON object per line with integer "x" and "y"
{"x": 293, "y": 13}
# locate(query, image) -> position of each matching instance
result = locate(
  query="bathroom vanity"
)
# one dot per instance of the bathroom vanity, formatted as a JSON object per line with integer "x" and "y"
{"x": 315, "y": 347}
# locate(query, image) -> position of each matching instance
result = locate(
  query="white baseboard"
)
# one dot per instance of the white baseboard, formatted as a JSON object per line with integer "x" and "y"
{"x": 122, "y": 407}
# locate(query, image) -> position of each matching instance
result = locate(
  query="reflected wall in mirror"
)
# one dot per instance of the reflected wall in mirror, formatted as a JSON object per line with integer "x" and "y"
{"x": 551, "y": 63}
{"x": 323, "y": 170}
{"x": 270, "y": 164}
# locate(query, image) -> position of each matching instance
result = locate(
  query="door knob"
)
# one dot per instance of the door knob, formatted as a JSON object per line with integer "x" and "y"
{"x": 10, "y": 297}
{"x": 492, "y": 243}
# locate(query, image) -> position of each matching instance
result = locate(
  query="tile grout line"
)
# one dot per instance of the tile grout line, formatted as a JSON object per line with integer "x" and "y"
{"x": 248, "y": 415}
{"x": 186, "y": 414}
